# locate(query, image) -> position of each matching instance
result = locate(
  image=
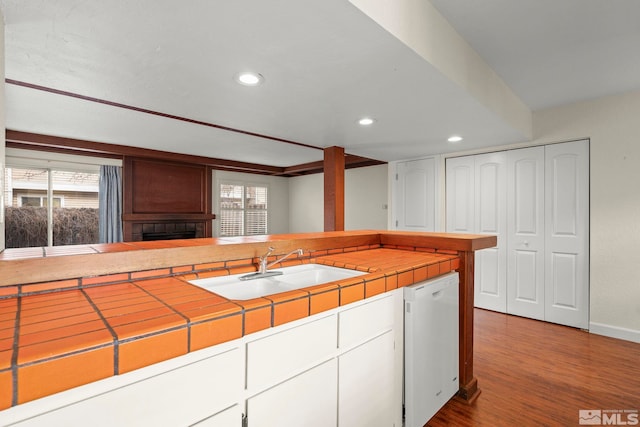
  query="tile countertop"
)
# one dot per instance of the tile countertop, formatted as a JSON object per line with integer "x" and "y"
{"x": 53, "y": 341}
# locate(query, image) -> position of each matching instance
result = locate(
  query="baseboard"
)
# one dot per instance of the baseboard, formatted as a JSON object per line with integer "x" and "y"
{"x": 614, "y": 332}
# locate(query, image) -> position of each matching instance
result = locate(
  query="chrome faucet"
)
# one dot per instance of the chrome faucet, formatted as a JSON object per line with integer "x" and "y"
{"x": 264, "y": 265}
{"x": 263, "y": 259}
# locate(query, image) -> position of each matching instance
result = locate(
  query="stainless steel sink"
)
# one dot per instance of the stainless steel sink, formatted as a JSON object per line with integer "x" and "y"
{"x": 296, "y": 277}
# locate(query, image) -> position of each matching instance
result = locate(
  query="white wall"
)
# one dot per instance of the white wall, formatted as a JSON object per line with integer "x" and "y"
{"x": 613, "y": 126}
{"x": 365, "y": 197}
{"x": 278, "y": 220}
{"x": 306, "y": 203}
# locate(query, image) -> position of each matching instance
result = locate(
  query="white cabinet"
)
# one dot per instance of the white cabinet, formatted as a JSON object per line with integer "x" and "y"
{"x": 182, "y": 391}
{"x": 340, "y": 367}
{"x": 368, "y": 364}
{"x": 289, "y": 351}
{"x": 292, "y": 374}
{"x": 366, "y": 384}
{"x": 307, "y": 399}
{"x": 431, "y": 347}
{"x": 536, "y": 200}
{"x": 416, "y": 195}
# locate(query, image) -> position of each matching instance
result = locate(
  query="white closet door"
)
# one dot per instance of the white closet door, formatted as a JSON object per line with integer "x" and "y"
{"x": 460, "y": 189}
{"x": 416, "y": 186}
{"x": 491, "y": 218}
{"x": 525, "y": 241}
{"x": 567, "y": 234}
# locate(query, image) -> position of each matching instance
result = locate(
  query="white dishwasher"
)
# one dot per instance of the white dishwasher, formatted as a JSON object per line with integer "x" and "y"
{"x": 430, "y": 347}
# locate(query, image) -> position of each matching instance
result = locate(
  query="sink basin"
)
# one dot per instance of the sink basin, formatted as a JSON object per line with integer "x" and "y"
{"x": 296, "y": 277}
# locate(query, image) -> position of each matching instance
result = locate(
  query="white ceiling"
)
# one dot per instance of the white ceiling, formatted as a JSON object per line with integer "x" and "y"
{"x": 325, "y": 65}
{"x": 554, "y": 52}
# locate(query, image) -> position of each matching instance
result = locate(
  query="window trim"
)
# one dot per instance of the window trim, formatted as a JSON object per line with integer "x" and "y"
{"x": 27, "y": 162}
{"x": 244, "y": 184}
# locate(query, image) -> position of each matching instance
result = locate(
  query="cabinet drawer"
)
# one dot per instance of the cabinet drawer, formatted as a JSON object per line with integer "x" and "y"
{"x": 365, "y": 321}
{"x": 282, "y": 354}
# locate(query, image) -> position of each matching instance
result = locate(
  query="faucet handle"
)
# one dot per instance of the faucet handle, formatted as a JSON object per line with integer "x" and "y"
{"x": 265, "y": 256}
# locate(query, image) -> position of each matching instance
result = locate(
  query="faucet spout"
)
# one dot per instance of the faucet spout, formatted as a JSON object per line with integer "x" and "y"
{"x": 264, "y": 266}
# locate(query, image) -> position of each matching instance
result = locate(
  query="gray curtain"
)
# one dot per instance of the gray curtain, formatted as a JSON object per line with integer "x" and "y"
{"x": 110, "y": 206}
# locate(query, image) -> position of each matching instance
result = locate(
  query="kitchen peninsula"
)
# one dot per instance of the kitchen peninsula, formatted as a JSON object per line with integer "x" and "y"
{"x": 78, "y": 314}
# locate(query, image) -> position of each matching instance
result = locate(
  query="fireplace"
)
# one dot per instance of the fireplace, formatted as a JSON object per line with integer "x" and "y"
{"x": 167, "y": 230}
{"x": 165, "y": 199}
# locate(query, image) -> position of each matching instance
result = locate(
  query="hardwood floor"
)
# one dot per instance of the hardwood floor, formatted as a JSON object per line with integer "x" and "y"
{"x": 534, "y": 373}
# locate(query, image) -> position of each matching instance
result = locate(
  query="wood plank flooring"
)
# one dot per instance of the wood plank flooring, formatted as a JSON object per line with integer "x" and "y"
{"x": 533, "y": 373}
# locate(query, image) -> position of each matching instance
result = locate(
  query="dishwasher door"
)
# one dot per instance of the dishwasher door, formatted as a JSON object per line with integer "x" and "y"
{"x": 431, "y": 347}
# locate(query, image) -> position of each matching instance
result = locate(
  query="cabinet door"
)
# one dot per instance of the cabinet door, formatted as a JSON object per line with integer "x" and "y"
{"x": 525, "y": 240}
{"x": 567, "y": 234}
{"x": 366, "y": 384}
{"x": 491, "y": 218}
{"x": 309, "y": 399}
{"x": 416, "y": 195}
{"x": 231, "y": 417}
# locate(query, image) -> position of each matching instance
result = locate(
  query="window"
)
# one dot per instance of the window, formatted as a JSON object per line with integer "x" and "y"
{"x": 38, "y": 201}
{"x": 243, "y": 209}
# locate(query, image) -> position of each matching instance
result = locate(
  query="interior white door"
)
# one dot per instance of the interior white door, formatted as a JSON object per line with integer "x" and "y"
{"x": 416, "y": 198}
{"x": 460, "y": 194}
{"x": 567, "y": 234}
{"x": 491, "y": 218}
{"x": 525, "y": 237}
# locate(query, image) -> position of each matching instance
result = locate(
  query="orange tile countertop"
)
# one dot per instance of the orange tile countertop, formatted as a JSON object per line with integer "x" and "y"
{"x": 78, "y": 327}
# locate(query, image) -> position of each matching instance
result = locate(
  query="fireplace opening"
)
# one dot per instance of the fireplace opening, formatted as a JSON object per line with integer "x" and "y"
{"x": 169, "y": 235}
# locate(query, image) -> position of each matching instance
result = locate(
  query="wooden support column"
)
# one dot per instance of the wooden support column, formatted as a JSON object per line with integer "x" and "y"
{"x": 469, "y": 390}
{"x": 334, "y": 189}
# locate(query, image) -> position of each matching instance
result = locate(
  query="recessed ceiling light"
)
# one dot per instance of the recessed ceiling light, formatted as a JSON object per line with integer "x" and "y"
{"x": 455, "y": 138}
{"x": 366, "y": 121}
{"x": 249, "y": 79}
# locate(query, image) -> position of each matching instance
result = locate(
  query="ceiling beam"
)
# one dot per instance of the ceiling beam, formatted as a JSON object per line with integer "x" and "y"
{"x": 34, "y": 141}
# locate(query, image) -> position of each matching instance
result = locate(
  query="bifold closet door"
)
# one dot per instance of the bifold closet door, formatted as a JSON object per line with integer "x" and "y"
{"x": 567, "y": 234}
{"x": 460, "y": 188}
{"x": 491, "y": 218}
{"x": 526, "y": 234}
{"x": 476, "y": 203}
